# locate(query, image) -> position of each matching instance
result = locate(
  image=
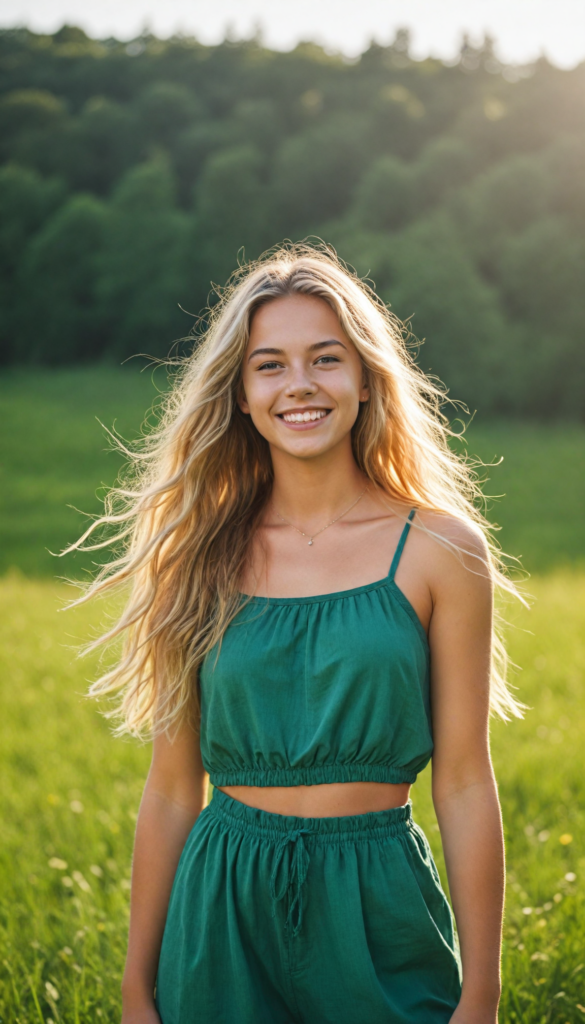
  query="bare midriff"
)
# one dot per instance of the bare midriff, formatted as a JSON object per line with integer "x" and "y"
{"x": 327, "y": 800}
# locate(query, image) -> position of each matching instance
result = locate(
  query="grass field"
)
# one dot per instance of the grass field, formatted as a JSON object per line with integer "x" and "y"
{"x": 70, "y": 792}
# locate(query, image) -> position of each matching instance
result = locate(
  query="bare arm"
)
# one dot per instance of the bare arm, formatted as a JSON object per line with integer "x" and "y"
{"x": 174, "y": 795}
{"x": 464, "y": 788}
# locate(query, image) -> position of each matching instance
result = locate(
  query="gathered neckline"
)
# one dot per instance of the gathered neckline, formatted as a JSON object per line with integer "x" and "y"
{"x": 333, "y": 595}
{"x": 337, "y": 595}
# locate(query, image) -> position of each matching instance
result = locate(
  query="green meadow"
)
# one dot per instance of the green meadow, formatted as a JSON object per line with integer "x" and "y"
{"x": 70, "y": 791}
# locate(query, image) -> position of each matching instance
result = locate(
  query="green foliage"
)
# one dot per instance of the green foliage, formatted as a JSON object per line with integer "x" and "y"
{"x": 230, "y": 208}
{"x": 317, "y": 170}
{"x": 426, "y": 275}
{"x": 26, "y": 202}
{"x": 402, "y": 163}
{"x": 25, "y": 113}
{"x": 60, "y": 316}
{"x": 166, "y": 109}
{"x": 385, "y": 198}
{"x": 443, "y": 166}
{"x": 541, "y": 273}
{"x": 144, "y": 261}
{"x": 564, "y": 164}
{"x": 501, "y": 203}
{"x": 99, "y": 146}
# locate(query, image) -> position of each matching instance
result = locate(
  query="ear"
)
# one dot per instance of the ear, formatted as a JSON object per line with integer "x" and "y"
{"x": 364, "y": 393}
{"x": 241, "y": 399}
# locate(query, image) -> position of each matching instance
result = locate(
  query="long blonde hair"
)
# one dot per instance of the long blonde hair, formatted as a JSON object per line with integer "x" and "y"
{"x": 201, "y": 480}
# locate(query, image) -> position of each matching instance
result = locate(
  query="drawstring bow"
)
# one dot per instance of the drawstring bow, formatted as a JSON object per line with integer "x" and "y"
{"x": 297, "y": 873}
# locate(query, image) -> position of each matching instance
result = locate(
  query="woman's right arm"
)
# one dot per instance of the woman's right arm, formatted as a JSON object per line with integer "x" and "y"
{"x": 174, "y": 795}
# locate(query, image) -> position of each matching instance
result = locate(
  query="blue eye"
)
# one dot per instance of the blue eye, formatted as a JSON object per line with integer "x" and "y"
{"x": 331, "y": 359}
{"x": 268, "y": 366}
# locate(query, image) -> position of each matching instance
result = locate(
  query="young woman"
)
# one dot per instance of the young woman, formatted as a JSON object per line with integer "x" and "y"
{"x": 310, "y": 621}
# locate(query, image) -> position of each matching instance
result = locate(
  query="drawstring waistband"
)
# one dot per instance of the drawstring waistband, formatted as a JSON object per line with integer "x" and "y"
{"x": 285, "y": 833}
{"x": 298, "y": 866}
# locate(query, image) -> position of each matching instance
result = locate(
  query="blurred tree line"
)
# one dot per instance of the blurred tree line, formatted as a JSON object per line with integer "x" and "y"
{"x": 132, "y": 174}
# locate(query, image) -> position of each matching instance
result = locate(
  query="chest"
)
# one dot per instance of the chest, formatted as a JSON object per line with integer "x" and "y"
{"x": 284, "y": 564}
{"x": 303, "y": 657}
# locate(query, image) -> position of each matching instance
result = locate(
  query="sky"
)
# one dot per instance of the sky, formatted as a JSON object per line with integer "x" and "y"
{"x": 523, "y": 28}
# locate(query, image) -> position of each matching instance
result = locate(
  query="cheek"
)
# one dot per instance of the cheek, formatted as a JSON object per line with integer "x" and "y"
{"x": 259, "y": 394}
{"x": 347, "y": 392}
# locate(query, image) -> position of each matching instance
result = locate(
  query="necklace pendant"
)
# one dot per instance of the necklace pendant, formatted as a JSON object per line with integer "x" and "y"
{"x": 310, "y": 542}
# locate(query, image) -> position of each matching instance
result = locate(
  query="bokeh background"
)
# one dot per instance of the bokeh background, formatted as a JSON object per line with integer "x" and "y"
{"x": 135, "y": 171}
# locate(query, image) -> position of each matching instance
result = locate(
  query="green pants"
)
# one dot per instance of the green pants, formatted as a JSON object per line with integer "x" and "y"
{"x": 275, "y": 919}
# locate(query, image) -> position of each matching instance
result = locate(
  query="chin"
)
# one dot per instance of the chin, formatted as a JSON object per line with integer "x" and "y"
{"x": 307, "y": 450}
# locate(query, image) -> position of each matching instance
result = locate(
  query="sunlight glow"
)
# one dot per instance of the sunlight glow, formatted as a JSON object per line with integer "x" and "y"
{"x": 523, "y": 28}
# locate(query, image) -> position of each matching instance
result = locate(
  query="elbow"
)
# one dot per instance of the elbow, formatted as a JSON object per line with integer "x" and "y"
{"x": 188, "y": 795}
{"x": 454, "y": 785}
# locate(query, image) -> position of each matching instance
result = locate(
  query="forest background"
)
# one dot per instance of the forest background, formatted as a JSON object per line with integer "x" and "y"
{"x": 132, "y": 174}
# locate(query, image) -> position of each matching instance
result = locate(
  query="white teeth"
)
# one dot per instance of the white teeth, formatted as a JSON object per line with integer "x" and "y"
{"x": 304, "y": 417}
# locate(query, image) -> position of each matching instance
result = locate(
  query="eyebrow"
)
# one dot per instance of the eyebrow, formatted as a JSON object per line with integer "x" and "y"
{"x": 279, "y": 351}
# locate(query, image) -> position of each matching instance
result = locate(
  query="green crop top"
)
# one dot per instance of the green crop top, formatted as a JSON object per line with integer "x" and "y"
{"x": 305, "y": 690}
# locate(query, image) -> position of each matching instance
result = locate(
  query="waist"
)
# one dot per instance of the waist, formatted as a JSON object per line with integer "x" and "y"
{"x": 391, "y": 821}
{"x": 325, "y": 800}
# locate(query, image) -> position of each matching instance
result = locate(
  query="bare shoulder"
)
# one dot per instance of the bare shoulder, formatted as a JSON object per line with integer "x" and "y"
{"x": 454, "y": 550}
{"x": 443, "y": 532}
{"x": 449, "y": 530}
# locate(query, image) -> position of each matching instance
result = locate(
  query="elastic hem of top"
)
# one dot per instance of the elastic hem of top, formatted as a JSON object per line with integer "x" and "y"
{"x": 267, "y": 824}
{"x": 312, "y": 776}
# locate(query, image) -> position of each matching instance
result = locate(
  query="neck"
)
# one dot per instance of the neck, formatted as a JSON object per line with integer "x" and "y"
{"x": 309, "y": 491}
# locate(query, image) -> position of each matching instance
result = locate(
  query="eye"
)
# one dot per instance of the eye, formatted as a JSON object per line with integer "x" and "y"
{"x": 268, "y": 366}
{"x": 327, "y": 359}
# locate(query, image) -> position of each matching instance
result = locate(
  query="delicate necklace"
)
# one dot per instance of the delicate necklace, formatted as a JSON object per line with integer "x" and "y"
{"x": 311, "y": 538}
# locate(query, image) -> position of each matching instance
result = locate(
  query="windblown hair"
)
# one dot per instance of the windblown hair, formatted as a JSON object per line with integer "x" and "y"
{"x": 202, "y": 478}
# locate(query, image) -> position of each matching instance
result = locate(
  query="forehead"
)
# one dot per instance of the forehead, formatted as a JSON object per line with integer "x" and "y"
{"x": 295, "y": 319}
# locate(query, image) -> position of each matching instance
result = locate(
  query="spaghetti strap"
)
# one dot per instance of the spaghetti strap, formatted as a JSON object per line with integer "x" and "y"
{"x": 401, "y": 543}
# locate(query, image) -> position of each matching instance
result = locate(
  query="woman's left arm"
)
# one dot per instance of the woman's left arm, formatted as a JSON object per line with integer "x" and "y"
{"x": 465, "y": 794}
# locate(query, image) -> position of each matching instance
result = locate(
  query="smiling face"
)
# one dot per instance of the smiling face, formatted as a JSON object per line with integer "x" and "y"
{"x": 303, "y": 379}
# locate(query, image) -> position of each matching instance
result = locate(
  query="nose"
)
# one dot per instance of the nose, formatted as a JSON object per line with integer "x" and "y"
{"x": 299, "y": 383}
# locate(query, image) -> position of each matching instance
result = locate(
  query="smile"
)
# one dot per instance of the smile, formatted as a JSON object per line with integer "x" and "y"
{"x": 310, "y": 416}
